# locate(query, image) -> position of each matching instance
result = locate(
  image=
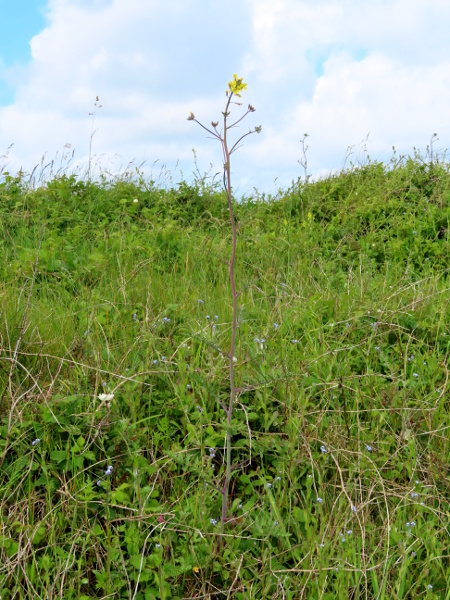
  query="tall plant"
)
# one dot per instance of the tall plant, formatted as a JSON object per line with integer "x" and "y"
{"x": 235, "y": 87}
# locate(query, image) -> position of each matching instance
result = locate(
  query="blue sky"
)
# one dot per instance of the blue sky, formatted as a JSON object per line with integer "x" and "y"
{"x": 359, "y": 76}
{"x": 19, "y": 22}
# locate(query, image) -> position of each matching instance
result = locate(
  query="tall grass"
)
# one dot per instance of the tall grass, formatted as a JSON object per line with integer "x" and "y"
{"x": 115, "y": 308}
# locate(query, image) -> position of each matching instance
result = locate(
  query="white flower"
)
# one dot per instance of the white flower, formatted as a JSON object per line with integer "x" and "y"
{"x": 106, "y": 397}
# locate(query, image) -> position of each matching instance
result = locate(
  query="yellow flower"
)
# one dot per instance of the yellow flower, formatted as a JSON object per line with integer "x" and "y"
{"x": 237, "y": 85}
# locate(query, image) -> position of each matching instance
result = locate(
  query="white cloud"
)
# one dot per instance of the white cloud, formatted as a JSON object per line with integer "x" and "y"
{"x": 384, "y": 72}
{"x": 336, "y": 69}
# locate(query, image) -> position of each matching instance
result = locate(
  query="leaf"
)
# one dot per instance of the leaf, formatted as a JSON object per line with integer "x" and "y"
{"x": 39, "y": 535}
{"x": 58, "y": 456}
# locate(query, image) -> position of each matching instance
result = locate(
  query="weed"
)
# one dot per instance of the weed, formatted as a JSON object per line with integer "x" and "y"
{"x": 235, "y": 88}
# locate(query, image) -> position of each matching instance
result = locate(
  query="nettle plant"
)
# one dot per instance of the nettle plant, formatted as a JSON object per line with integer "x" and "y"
{"x": 235, "y": 87}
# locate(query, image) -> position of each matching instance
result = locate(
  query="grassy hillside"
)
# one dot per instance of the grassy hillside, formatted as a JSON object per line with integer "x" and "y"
{"x": 115, "y": 319}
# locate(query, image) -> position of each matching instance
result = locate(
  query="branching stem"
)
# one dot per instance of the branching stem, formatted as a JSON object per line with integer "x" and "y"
{"x": 234, "y": 88}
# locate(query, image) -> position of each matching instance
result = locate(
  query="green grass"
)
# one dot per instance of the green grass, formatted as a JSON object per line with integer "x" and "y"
{"x": 341, "y": 426}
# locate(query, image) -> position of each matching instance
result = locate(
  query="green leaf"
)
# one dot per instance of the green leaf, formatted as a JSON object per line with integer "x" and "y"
{"x": 39, "y": 535}
{"x": 58, "y": 456}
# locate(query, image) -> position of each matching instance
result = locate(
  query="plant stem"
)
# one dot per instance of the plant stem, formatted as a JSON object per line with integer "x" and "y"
{"x": 229, "y": 411}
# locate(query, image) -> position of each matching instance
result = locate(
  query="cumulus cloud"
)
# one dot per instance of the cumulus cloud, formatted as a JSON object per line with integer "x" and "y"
{"x": 335, "y": 69}
{"x": 360, "y": 68}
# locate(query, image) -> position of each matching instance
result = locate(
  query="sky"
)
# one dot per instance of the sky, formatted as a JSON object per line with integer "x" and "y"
{"x": 358, "y": 76}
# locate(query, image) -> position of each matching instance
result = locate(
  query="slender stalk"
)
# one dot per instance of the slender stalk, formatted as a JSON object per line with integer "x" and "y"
{"x": 235, "y": 87}
{"x": 229, "y": 411}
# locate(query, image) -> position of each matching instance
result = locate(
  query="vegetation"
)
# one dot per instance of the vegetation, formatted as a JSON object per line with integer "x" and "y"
{"x": 116, "y": 322}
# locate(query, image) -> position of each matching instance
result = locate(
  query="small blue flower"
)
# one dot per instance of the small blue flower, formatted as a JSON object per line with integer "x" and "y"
{"x": 199, "y": 408}
{"x": 189, "y": 387}
{"x": 278, "y": 478}
{"x": 342, "y": 539}
{"x": 414, "y": 495}
{"x": 413, "y": 554}
{"x": 276, "y": 523}
{"x": 213, "y": 521}
{"x": 275, "y": 325}
{"x": 415, "y": 375}
{"x": 216, "y": 317}
{"x": 321, "y": 545}
{"x": 269, "y": 485}
{"x": 429, "y": 586}
{"x": 323, "y": 449}
{"x": 368, "y": 448}
{"x": 294, "y": 341}
{"x": 354, "y": 509}
{"x": 109, "y": 470}
{"x": 411, "y": 358}
{"x": 158, "y": 545}
{"x": 155, "y": 362}
{"x": 99, "y": 483}
{"x": 319, "y": 500}
{"x": 35, "y": 442}
{"x": 200, "y": 301}
{"x": 377, "y": 348}
{"x": 134, "y": 316}
{"x": 349, "y": 532}
{"x": 166, "y": 320}
{"x": 208, "y": 317}
{"x": 163, "y": 358}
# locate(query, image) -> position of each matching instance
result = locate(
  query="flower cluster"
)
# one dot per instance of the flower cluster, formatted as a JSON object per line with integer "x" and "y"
{"x": 237, "y": 85}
